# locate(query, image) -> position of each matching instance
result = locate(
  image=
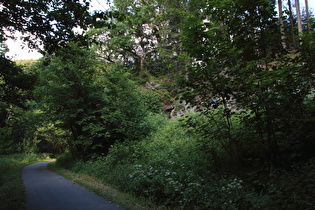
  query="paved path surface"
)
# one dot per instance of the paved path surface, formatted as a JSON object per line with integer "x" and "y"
{"x": 46, "y": 190}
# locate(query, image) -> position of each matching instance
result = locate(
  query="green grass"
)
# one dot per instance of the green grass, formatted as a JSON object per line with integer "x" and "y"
{"x": 12, "y": 194}
{"x": 125, "y": 200}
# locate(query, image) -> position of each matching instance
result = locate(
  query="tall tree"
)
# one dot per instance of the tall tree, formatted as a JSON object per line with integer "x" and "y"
{"x": 298, "y": 16}
{"x": 67, "y": 92}
{"x": 291, "y": 22}
{"x": 238, "y": 60}
{"x": 15, "y": 85}
{"x": 281, "y": 24}
{"x": 97, "y": 103}
{"x": 147, "y": 38}
{"x": 49, "y": 23}
{"x": 307, "y": 16}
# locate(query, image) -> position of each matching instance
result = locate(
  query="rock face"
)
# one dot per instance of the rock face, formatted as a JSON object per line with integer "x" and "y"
{"x": 169, "y": 110}
{"x": 174, "y": 111}
{"x": 172, "y": 106}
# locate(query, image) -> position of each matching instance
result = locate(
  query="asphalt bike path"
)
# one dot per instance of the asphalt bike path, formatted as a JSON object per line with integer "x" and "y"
{"x": 46, "y": 190}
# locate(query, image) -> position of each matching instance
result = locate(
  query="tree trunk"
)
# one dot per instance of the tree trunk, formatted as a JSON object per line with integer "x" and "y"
{"x": 309, "y": 27}
{"x": 298, "y": 16}
{"x": 281, "y": 24}
{"x": 291, "y": 22}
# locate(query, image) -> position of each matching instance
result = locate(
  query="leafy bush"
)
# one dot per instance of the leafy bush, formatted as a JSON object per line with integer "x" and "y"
{"x": 167, "y": 167}
{"x": 171, "y": 167}
{"x": 96, "y": 102}
{"x": 11, "y": 161}
{"x": 65, "y": 160}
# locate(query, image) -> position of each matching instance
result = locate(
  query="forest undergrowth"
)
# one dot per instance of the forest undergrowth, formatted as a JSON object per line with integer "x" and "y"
{"x": 199, "y": 104}
{"x": 176, "y": 167}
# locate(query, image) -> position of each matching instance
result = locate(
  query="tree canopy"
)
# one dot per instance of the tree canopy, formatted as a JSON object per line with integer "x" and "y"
{"x": 207, "y": 99}
{"x": 49, "y": 23}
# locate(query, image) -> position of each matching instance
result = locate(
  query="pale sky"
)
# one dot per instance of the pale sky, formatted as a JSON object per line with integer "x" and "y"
{"x": 18, "y": 52}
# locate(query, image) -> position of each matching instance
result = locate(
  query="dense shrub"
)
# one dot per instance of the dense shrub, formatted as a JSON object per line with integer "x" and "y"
{"x": 168, "y": 168}
{"x": 65, "y": 160}
{"x": 11, "y": 161}
{"x": 171, "y": 167}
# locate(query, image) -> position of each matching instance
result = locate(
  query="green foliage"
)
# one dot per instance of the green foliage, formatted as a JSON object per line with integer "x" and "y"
{"x": 99, "y": 104}
{"x": 250, "y": 143}
{"x": 11, "y": 187}
{"x": 172, "y": 168}
{"x": 68, "y": 89}
{"x": 15, "y": 89}
{"x": 239, "y": 63}
{"x": 146, "y": 39}
{"x": 52, "y": 137}
{"x": 223, "y": 139}
{"x": 51, "y": 22}
{"x": 13, "y": 131}
{"x": 65, "y": 159}
{"x": 124, "y": 108}
{"x": 13, "y": 81}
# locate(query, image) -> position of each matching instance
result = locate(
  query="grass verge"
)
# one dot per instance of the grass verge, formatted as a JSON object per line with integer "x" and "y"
{"x": 125, "y": 200}
{"x": 12, "y": 194}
